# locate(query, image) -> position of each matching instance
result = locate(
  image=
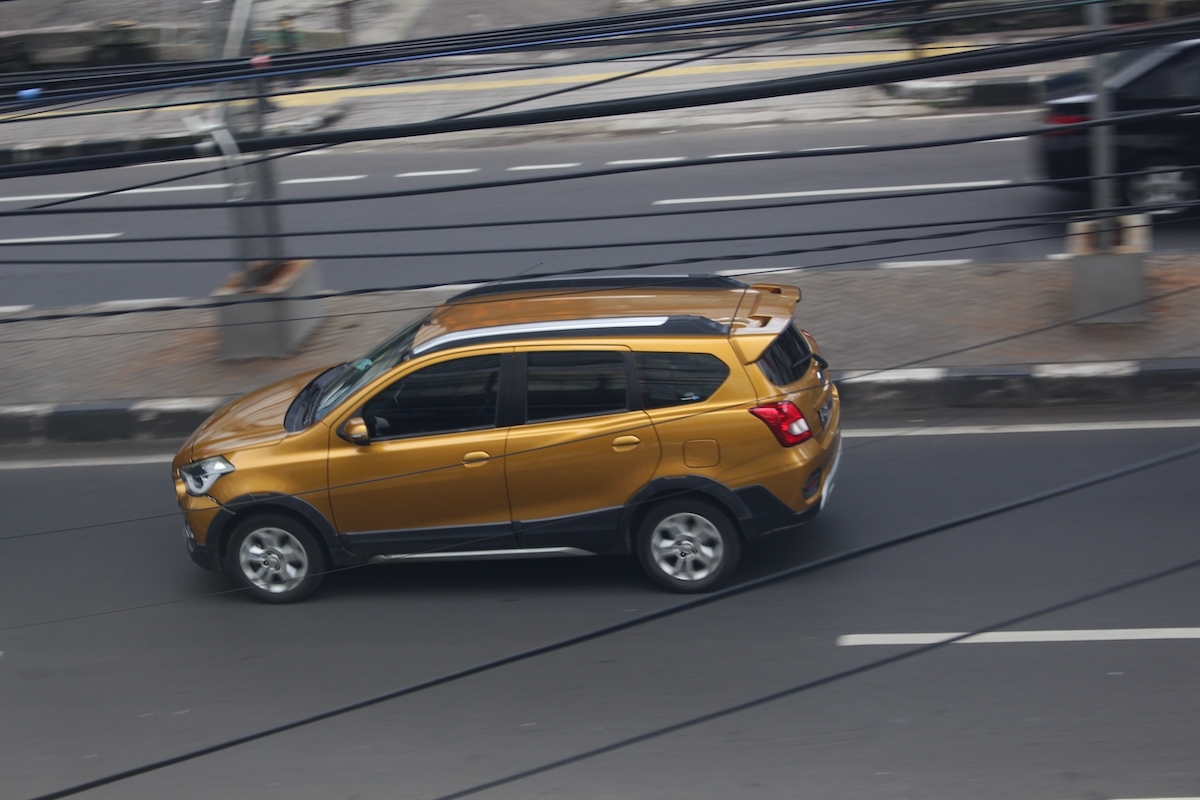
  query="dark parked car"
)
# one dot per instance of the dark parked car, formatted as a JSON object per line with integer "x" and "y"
{"x": 1139, "y": 80}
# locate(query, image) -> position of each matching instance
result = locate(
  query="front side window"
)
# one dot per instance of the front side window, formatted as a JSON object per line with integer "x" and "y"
{"x": 459, "y": 395}
{"x": 562, "y": 385}
{"x": 674, "y": 379}
{"x": 1177, "y": 79}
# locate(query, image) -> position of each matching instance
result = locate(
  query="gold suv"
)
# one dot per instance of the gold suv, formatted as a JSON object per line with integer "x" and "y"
{"x": 675, "y": 417}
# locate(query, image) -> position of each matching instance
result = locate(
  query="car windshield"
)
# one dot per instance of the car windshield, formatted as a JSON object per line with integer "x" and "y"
{"x": 1122, "y": 60}
{"x": 394, "y": 351}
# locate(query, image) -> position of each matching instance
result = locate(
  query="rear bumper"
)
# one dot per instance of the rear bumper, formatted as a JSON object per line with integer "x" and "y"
{"x": 769, "y": 514}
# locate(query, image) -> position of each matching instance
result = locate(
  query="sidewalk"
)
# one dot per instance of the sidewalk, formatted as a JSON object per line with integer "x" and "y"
{"x": 43, "y": 136}
{"x": 153, "y": 375}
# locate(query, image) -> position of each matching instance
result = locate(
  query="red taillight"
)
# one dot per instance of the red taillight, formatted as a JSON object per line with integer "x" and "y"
{"x": 785, "y": 421}
{"x": 1065, "y": 119}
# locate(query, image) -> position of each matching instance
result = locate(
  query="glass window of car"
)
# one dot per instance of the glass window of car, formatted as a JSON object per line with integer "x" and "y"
{"x": 563, "y": 385}
{"x": 358, "y": 373}
{"x": 458, "y": 395}
{"x": 786, "y": 360}
{"x": 1177, "y": 79}
{"x": 672, "y": 379}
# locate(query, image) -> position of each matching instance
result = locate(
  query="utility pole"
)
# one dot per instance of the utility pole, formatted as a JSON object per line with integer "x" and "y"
{"x": 1103, "y": 155}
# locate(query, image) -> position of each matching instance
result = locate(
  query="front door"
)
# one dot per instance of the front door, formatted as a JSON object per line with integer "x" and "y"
{"x": 432, "y": 477}
{"x": 581, "y": 452}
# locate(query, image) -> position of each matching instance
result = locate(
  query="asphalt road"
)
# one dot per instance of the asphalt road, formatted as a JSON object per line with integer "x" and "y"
{"x": 851, "y": 180}
{"x": 117, "y": 650}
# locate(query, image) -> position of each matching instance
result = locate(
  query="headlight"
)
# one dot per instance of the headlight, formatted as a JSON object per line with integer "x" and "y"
{"x": 199, "y": 476}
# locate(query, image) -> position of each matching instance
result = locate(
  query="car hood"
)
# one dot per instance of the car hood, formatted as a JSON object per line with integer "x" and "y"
{"x": 253, "y": 420}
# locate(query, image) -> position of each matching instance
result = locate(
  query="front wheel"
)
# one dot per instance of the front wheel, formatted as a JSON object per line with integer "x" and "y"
{"x": 275, "y": 558}
{"x": 688, "y": 545}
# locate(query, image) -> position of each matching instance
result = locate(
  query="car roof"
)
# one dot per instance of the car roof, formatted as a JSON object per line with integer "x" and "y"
{"x": 628, "y": 306}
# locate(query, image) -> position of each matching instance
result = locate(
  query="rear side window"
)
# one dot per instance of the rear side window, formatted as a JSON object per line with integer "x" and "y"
{"x": 673, "y": 379}
{"x": 451, "y": 396}
{"x": 562, "y": 385}
{"x": 787, "y": 359}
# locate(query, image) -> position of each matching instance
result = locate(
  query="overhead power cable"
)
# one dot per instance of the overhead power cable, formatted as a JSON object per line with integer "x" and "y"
{"x": 608, "y": 630}
{"x": 935, "y": 66}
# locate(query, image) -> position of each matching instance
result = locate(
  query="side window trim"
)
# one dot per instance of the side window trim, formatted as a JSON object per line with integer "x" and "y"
{"x": 505, "y": 370}
{"x": 520, "y": 384}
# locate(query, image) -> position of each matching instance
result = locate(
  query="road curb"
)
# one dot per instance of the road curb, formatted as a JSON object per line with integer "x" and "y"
{"x": 980, "y": 92}
{"x": 1022, "y": 386}
{"x": 71, "y": 148}
{"x": 1018, "y": 386}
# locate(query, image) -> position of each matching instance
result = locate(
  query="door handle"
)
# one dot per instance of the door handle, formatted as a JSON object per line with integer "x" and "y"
{"x": 622, "y": 443}
{"x": 476, "y": 458}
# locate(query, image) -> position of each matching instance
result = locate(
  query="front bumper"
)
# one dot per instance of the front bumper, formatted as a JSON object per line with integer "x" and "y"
{"x": 200, "y": 554}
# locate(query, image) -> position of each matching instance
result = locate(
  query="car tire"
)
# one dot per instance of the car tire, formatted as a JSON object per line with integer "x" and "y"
{"x": 275, "y": 558}
{"x": 688, "y": 545}
{"x": 1177, "y": 185}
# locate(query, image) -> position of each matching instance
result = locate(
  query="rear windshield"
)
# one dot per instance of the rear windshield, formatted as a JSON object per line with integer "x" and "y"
{"x": 786, "y": 360}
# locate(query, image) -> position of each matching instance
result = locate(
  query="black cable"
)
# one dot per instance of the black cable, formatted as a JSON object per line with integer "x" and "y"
{"x": 935, "y": 66}
{"x": 822, "y": 681}
{"x": 628, "y": 624}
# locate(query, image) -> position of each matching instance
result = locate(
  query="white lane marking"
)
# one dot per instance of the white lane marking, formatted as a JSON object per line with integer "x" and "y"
{"x": 79, "y": 237}
{"x": 330, "y": 179}
{"x": 1011, "y": 637}
{"x": 141, "y": 302}
{"x": 69, "y": 463}
{"x": 1037, "y": 427}
{"x": 1087, "y": 369}
{"x": 14, "y": 309}
{"x": 734, "y": 198}
{"x": 768, "y": 272}
{"x": 545, "y": 166}
{"x": 945, "y": 262}
{"x": 627, "y": 162}
{"x": 29, "y": 198}
{"x": 751, "y": 153}
{"x": 1005, "y": 139}
{"x": 894, "y": 375}
{"x": 429, "y": 172}
{"x": 832, "y": 147}
{"x": 199, "y": 187}
{"x": 179, "y": 404}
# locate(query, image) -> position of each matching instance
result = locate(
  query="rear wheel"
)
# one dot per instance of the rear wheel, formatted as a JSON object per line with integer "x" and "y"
{"x": 275, "y": 558}
{"x": 688, "y": 545}
{"x": 1172, "y": 186}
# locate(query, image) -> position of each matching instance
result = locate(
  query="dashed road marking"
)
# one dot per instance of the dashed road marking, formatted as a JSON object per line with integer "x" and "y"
{"x": 69, "y": 463}
{"x": 1037, "y": 427}
{"x": 79, "y": 237}
{"x": 944, "y": 262}
{"x": 916, "y": 187}
{"x": 329, "y": 179}
{"x": 431, "y": 172}
{"x": 525, "y": 167}
{"x": 628, "y": 162}
{"x": 1019, "y": 637}
{"x": 740, "y": 155}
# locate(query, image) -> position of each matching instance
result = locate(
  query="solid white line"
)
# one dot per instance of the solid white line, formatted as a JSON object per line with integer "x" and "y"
{"x": 945, "y": 262}
{"x": 734, "y": 198}
{"x": 68, "y": 463}
{"x": 141, "y": 302}
{"x": 330, "y": 179}
{"x": 751, "y": 153}
{"x": 1044, "y": 427}
{"x": 429, "y": 172}
{"x": 29, "y": 198}
{"x": 626, "y": 162}
{"x": 544, "y": 166}
{"x": 195, "y": 188}
{"x": 81, "y": 237}
{"x": 1012, "y": 637}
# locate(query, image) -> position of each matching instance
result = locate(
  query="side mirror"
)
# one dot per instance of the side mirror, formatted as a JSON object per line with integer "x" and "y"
{"x": 355, "y": 431}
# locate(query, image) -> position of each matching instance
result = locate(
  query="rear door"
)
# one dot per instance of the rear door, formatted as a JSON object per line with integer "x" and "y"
{"x": 580, "y": 450}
